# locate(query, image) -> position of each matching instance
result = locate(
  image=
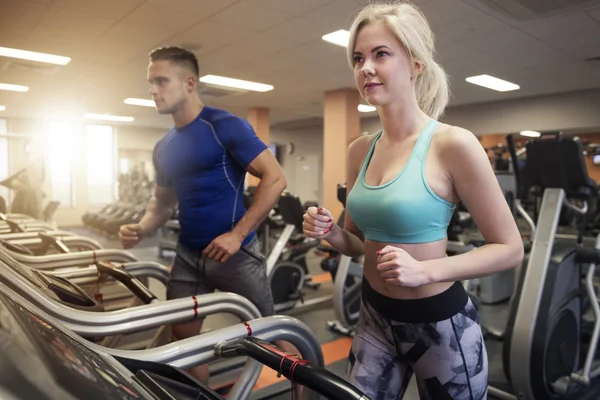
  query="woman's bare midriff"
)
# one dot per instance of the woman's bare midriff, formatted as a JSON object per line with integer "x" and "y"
{"x": 420, "y": 252}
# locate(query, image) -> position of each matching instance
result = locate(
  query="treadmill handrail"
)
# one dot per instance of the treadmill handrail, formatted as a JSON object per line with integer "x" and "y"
{"x": 130, "y": 282}
{"x": 77, "y": 259}
{"x": 137, "y": 269}
{"x": 34, "y": 235}
{"x": 297, "y": 370}
{"x": 132, "y": 319}
{"x": 197, "y": 350}
{"x": 69, "y": 241}
{"x": 186, "y": 353}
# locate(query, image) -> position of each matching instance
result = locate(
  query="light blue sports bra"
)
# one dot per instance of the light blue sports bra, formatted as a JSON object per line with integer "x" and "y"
{"x": 404, "y": 210}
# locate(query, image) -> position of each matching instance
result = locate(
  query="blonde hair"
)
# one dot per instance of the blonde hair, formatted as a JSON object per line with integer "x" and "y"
{"x": 412, "y": 29}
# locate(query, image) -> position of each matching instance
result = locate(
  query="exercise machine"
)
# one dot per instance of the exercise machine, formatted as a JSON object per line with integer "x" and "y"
{"x": 543, "y": 353}
{"x": 286, "y": 263}
{"x": 65, "y": 366}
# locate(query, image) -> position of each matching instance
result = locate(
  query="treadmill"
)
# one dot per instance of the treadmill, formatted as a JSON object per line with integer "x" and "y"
{"x": 41, "y": 359}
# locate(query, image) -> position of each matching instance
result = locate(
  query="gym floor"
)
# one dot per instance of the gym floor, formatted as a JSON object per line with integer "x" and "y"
{"x": 335, "y": 347}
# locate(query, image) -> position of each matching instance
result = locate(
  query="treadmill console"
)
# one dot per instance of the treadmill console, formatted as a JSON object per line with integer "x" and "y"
{"x": 76, "y": 368}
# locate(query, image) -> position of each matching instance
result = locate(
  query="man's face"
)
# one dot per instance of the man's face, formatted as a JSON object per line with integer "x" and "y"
{"x": 168, "y": 86}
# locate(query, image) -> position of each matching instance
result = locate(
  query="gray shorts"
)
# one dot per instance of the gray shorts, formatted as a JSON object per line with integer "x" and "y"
{"x": 244, "y": 273}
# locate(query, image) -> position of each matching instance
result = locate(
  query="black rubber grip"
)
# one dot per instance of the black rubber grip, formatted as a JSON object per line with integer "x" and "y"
{"x": 327, "y": 384}
{"x": 588, "y": 256}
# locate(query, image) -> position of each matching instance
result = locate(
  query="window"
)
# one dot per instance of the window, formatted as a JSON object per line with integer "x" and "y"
{"x": 4, "y": 162}
{"x": 60, "y": 146}
{"x": 100, "y": 164}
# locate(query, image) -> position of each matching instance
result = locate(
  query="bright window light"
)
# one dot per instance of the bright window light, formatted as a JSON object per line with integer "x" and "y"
{"x": 60, "y": 150}
{"x": 493, "y": 83}
{"x": 530, "y": 133}
{"x": 108, "y": 117}
{"x": 4, "y": 163}
{"x": 33, "y": 56}
{"x": 99, "y": 141}
{"x": 339, "y": 38}
{"x": 236, "y": 83}
{"x": 124, "y": 165}
{"x": 366, "y": 108}
{"x": 140, "y": 102}
{"x": 2, "y": 108}
{"x": 13, "y": 88}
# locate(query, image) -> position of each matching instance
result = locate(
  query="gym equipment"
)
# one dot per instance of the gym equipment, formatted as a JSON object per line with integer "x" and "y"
{"x": 542, "y": 348}
{"x": 68, "y": 367}
{"x": 346, "y": 273}
{"x": 15, "y": 225}
{"x": 135, "y": 190}
{"x": 43, "y": 244}
{"x": 296, "y": 370}
{"x": 286, "y": 266}
{"x": 72, "y": 306}
{"x": 169, "y": 236}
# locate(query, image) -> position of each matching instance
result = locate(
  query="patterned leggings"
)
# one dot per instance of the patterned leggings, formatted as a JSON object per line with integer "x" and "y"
{"x": 448, "y": 357}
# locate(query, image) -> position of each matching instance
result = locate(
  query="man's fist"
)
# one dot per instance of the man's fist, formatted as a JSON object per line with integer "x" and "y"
{"x": 130, "y": 235}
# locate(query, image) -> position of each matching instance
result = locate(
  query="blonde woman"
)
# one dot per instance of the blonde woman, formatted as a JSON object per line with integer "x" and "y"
{"x": 403, "y": 185}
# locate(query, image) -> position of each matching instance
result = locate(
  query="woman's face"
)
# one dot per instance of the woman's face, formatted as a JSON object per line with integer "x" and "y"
{"x": 382, "y": 68}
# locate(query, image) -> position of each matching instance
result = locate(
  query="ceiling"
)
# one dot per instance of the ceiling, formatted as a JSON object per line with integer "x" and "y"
{"x": 277, "y": 42}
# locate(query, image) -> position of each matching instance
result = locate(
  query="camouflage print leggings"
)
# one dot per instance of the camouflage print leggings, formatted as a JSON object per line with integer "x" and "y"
{"x": 447, "y": 356}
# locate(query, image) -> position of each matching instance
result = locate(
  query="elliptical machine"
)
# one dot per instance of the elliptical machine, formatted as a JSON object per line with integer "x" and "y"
{"x": 543, "y": 357}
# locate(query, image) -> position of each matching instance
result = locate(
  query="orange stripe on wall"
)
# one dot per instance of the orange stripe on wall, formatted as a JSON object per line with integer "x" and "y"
{"x": 334, "y": 351}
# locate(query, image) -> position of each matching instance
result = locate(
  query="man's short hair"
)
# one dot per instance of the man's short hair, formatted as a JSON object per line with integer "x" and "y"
{"x": 178, "y": 56}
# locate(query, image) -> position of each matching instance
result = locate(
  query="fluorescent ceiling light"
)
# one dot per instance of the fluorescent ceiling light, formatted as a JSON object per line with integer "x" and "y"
{"x": 236, "y": 83}
{"x": 530, "y": 133}
{"x": 106, "y": 117}
{"x": 33, "y": 56}
{"x": 366, "y": 108}
{"x": 13, "y": 88}
{"x": 140, "y": 102}
{"x": 339, "y": 38}
{"x": 493, "y": 83}
{"x": 2, "y": 108}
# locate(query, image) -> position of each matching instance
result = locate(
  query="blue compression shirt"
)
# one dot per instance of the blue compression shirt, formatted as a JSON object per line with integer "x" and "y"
{"x": 206, "y": 162}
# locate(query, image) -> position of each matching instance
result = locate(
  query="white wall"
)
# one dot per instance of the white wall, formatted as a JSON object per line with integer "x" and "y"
{"x": 567, "y": 111}
{"x": 306, "y": 142}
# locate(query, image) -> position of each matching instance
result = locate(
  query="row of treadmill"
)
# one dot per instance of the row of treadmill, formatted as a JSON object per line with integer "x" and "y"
{"x": 78, "y": 321}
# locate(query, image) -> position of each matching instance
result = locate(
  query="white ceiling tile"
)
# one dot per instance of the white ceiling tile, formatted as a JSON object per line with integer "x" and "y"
{"x": 252, "y": 16}
{"x": 251, "y": 48}
{"x": 315, "y": 51}
{"x": 297, "y": 31}
{"x": 482, "y": 25}
{"x": 16, "y": 12}
{"x": 106, "y": 9}
{"x": 579, "y": 23}
{"x": 288, "y": 53}
{"x": 139, "y": 28}
{"x": 210, "y": 35}
{"x": 295, "y": 7}
{"x": 199, "y": 8}
{"x": 336, "y": 15}
{"x": 445, "y": 12}
{"x": 59, "y": 41}
{"x": 14, "y": 35}
{"x": 567, "y": 43}
{"x": 585, "y": 52}
{"x": 564, "y": 68}
{"x": 453, "y": 51}
{"x": 76, "y": 22}
{"x": 595, "y": 14}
